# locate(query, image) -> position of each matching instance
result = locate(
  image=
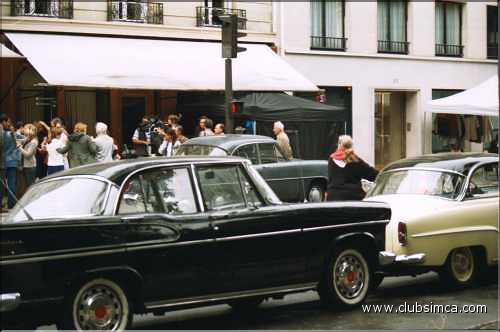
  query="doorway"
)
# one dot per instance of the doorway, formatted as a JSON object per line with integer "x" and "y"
{"x": 390, "y": 127}
{"x": 133, "y": 110}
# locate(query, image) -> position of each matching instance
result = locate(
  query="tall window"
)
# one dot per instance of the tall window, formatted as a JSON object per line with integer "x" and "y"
{"x": 327, "y": 25}
{"x": 392, "y": 27}
{"x": 492, "y": 32}
{"x": 449, "y": 29}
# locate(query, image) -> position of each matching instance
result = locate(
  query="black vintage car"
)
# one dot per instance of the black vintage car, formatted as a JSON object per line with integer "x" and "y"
{"x": 88, "y": 248}
{"x": 292, "y": 180}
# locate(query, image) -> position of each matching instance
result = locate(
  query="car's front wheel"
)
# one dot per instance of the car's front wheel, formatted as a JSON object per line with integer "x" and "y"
{"x": 346, "y": 279}
{"x": 98, "y": 304}
{"x": 462, "y": 267}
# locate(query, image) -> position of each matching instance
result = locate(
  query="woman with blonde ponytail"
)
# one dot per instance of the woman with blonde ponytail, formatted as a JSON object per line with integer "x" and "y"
{"x": 345, "y": 171}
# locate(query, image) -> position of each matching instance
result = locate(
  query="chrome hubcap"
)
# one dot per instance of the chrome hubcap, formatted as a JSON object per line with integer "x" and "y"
{"x": 99, "y": 308}
{"x": 349, "y": 276}
{"x": 462, "y": 264}
{"x": 315, "y": 195}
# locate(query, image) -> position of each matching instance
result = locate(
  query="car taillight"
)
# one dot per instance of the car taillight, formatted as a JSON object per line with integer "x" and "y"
{"x": 402, "y": 234}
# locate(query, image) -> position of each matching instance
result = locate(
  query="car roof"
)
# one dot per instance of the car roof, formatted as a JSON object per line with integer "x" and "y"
{"x": 116, "y": 171}
{"x": 230, "y": 141}
{"x": 453, "y": 161}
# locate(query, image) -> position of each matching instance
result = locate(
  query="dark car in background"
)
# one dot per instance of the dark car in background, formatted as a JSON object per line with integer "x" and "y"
{"x": 89, "y": 247}
{"x": 292, "y": 180}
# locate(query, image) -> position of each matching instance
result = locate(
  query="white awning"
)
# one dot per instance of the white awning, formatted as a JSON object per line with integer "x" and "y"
{"x": 479, "y": 100}
{"x": 7, "y": 53}
{"x": 126, "y": 63}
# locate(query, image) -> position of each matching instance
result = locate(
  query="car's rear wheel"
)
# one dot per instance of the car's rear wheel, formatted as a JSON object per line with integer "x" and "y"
{"x": 346, "y": 279}
{"x": 462, "y": 267}
{"x": 98, "y": 304}
{"x": 316, "y": 193}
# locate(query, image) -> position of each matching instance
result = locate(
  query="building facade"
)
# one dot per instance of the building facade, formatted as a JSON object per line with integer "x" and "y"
{"x": 28, "y": 99}
{"x": 393, "y": 57}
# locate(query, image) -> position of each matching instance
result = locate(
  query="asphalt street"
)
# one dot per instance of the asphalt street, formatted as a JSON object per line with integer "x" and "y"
{"x": 304, "y": 312}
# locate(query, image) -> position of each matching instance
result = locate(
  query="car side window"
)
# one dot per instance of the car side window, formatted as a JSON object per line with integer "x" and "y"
{"x": 160, "y": 191}
{"x": 484, "y": 181}
{"x": 221, "y": 188}
{"x": 268, "y": 153}
{"x": 248, "y": 151}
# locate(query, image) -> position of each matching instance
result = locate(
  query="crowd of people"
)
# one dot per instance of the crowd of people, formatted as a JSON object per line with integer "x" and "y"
{"x": 33, "y": 151}
{"x": 156, "y": 138}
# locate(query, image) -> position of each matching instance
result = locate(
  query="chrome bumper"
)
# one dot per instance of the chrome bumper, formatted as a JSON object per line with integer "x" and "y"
{"x": 9, "y": 301}
{"x": 387, "y": 258}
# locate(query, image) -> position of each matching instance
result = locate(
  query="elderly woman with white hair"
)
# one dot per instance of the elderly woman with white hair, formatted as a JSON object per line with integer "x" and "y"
{"x": 345, "y": 171}
{"x": 104, "y": 142}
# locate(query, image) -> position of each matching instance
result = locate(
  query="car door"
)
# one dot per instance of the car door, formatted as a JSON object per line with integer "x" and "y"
{"x": 282, "y": 175}
{"x": 481, "y": 205}
{"x": 256, "y": 244}
{"x": 169, "y": 240}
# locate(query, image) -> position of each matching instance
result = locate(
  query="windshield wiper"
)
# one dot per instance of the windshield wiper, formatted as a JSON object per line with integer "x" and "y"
{"x": 30, "y": 218}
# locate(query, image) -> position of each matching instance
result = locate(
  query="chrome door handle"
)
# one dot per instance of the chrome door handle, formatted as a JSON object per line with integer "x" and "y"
{"x": 215, "y": 228}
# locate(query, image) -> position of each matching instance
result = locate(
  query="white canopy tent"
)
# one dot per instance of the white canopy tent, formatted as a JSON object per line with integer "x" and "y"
{"x": 128, "y": 63}
{"x": 479, "y": 100}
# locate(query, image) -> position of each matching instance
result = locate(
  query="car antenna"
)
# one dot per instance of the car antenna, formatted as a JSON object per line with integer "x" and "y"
{"x": 30, "y": 218}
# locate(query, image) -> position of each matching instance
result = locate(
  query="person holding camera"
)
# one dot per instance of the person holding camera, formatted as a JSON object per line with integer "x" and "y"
{"x": 141, "y": 138}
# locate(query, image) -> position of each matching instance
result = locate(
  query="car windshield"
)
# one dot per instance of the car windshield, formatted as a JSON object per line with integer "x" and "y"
{"x": 61, "y": 198}
{"x": 200, "y": 150}
{"x": 418, "y": 182}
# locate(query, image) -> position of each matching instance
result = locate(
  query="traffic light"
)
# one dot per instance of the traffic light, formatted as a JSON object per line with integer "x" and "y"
{"x": 236, "y": 107}
{"x": 230, "y": 36}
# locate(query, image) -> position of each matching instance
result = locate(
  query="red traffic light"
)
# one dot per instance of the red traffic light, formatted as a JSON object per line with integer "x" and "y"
{"x": 236, "y": 107}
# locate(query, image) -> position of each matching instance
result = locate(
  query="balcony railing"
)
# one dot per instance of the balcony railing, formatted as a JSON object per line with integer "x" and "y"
{"x": 394, "y": 47}
{"x": 42, "y": 8}
{"x": 449, "y": 50}
{"x": 209, "y": 16}
{"x": 492, "y": 51}
{"x": 135, "y": 11}
{"x": 328, "y": 43}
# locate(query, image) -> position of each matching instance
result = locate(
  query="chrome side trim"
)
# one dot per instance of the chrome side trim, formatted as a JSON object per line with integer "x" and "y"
{"x": 298, "y": 178}
{"x": 457, "y": 231}
{"x": 230, "y": 295}
{"x": 9, "y": 301}
{"x": 62, "y": 256}
{"x": 249, "y": 236}
{"x": 145, "y": 245}
{"x": 361, "y": 223}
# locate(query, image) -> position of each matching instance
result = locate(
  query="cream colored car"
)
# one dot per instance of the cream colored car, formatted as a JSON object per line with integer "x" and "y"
{"x": 444, "y": 215}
